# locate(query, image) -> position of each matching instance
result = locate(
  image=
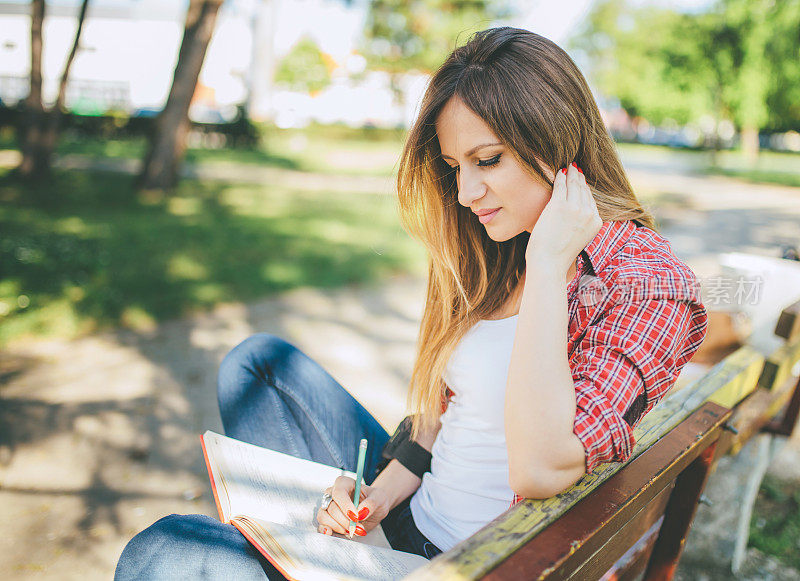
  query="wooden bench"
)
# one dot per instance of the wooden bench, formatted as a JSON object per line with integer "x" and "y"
{"x": 634, "y": 517}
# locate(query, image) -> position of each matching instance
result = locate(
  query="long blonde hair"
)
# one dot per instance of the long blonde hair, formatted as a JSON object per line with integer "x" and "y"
{"x": 534, "y": 98}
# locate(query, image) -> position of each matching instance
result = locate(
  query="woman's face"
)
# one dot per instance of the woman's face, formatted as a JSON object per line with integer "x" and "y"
{"x": 489, "y": 176}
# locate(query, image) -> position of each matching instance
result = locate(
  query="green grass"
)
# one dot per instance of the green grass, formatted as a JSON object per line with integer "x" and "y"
{"x": 85, "y": 252}
{"x": 334, "y": 149}
{"x": 759, "y": 176}
{"x": 135, "y": 148}
{"x": 775, "y": 527}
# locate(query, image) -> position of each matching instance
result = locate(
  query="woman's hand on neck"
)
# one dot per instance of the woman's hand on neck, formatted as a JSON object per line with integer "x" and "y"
{"x": 568, "y": 223}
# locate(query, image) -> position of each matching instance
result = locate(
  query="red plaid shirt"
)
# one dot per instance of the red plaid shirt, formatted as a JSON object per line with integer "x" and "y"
{"x": 635, "y": 319}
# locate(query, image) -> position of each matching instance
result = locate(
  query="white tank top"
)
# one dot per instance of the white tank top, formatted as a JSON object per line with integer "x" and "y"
{"x": 468, "y": 483}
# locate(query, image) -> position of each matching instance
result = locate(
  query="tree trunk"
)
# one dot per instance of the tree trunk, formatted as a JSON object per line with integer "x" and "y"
{"x": 168, "y": 141}
{"x": 53, "y": 119}
{"x": 33, "y": 113}
{"x": 40, "y": 127}
{"x": 750, "y": 145}
{"x": 715, "y": 143}
{"x": 262, "y": 64}
{"x": 755, "y": 72}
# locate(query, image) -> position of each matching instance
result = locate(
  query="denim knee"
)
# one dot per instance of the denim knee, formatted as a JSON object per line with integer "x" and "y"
{"x": 188, "y": 546}
{"x": 251, "y": 355}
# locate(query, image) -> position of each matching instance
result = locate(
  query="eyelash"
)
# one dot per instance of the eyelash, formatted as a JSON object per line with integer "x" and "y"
{"x": 483, "y": 162}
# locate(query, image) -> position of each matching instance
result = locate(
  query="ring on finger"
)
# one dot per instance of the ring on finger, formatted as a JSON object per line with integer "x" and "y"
{"x": 326, "y": 500}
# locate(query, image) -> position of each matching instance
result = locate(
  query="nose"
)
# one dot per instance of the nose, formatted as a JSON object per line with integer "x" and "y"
{"x": 471, "y": 187}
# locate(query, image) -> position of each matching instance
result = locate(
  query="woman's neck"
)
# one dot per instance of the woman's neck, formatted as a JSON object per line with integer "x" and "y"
{"x": 514, "y": 301}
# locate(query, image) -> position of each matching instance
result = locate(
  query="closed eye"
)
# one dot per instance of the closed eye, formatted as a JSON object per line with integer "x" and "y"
{"x": 490, "y": 161}
{"x": 481, "y": 162}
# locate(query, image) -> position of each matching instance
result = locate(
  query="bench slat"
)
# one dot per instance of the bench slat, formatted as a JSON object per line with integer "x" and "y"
{"x": 788, "y": 325}
{"x": 559, "y": 553}
{"x": 757, "y": 410}
{"x": 622, "y": 542}
{"x": 505, "y": 534}
{"x": 602, "y": 527}
{"x": 779, "y": 364}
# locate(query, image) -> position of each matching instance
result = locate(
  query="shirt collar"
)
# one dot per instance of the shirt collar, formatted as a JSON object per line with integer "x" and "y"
{"x": 608, "y": 241}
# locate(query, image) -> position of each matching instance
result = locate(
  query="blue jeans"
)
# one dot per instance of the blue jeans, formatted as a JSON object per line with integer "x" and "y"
{"x": 272, "y": 395}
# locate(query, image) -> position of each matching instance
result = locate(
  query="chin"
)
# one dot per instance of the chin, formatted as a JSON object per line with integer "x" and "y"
{"x": 501, "y": 235}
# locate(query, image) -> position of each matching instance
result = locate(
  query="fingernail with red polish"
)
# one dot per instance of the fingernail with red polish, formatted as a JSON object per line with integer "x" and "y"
{"x": 580, "y": 170}
{"x": 564, "y": 171}
{"x": 351, "y": 515}
{"x": 360, "y": 531}
{"x": 575, "y": 165}
{"x": 362, "y": 514}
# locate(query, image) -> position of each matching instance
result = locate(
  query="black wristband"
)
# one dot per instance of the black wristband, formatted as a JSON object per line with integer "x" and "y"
{"x": 414, "y": 457}
{"x": 408, "y": 452}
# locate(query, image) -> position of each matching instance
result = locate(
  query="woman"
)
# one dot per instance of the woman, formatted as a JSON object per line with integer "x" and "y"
{"x": 555, "y": 318}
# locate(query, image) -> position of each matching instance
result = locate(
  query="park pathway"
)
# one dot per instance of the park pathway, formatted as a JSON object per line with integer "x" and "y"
{"x": 98, "y": 436}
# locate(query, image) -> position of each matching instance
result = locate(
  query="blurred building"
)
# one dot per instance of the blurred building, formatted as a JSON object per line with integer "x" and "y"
{"x": 129, "y": 49}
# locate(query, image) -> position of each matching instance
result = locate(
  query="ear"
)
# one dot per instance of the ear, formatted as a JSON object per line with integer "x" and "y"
{"x": 546, "y": 170}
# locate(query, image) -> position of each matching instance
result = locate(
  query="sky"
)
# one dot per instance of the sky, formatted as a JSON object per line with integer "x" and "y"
{"x": 558, "y": 19}
{"x": 335, "y": 25}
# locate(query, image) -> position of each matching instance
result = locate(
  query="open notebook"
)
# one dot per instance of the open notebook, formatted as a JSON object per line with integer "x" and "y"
{"x": 273, "y": 499}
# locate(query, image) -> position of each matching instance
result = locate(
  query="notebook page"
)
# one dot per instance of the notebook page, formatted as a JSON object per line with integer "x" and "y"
{"x": 274, "y": 487}
{"x": 337, "y": 558}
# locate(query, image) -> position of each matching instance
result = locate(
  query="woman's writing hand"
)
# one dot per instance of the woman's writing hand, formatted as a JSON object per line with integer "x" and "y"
{"x": 372, "y": 508}
{"x": 567, "y": 224}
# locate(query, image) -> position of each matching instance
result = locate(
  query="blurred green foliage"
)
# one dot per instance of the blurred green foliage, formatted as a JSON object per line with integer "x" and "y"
{"x": 737, "y": 60}
{"x": 417, "y": 35}
{"x": 405, "y": 35}
{"x": 304, "y": 68}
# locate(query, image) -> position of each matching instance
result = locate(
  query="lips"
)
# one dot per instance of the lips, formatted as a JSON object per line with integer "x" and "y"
{"x": 485, "y": 215}
{"x": 484, "y": 212}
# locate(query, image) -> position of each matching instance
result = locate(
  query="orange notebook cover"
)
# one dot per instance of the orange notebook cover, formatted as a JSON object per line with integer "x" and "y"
{"x": 273, "y": 498}
{"x": 234, "y": 523}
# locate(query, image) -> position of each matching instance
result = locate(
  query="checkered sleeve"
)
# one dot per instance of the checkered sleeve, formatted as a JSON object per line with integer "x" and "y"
{"x": 622, "y": 367}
